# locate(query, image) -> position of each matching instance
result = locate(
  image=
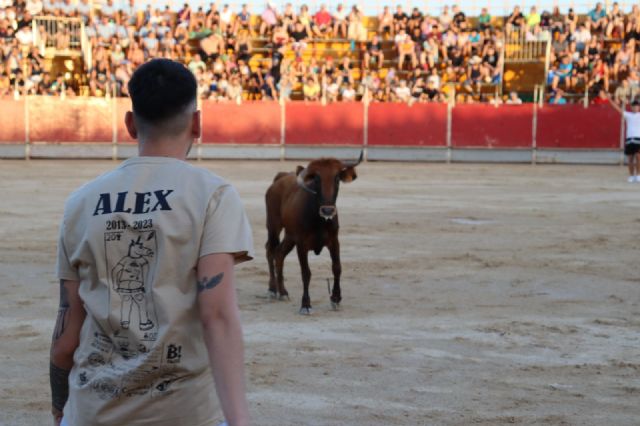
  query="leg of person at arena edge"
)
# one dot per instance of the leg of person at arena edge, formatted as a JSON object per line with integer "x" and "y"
{"x": 631, "y": 160}
{"x": 336, "y": 267}
{"x": 305, "y": 308}
{"x": 283, "y": 250}
{"x": 636, "y": 165}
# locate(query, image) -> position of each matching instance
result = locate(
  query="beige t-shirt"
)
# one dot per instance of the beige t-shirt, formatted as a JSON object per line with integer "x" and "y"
{"x": 133, "y": 237}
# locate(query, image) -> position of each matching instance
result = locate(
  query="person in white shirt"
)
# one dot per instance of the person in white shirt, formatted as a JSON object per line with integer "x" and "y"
{"x": 514, "y": 99}
{"x": 34, "y": 7}
{"x": 632, "y": 141}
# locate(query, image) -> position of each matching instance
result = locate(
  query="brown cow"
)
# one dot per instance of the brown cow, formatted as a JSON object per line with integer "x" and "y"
{"x": 304, "y": 204}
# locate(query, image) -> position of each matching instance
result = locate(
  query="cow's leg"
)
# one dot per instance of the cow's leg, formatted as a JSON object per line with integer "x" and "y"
{"x": 336, "y": 267}
{"x": 272, "y": 246}
{"x": 305, "y": 308}
{"x": 283, "y": 250}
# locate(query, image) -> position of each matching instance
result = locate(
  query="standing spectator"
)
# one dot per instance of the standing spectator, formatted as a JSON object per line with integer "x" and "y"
{"x": 514, "y": 99}
{"x": 348, "y": 93}
{"x": 311, "y": 90}
{"x": 625, "y": 93}
{"x": 632, "y": 140}
{"x": 557, "y": 98}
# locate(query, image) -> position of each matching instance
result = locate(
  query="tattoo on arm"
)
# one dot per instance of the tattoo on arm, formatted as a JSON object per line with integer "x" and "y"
{"x": 59, "y": 378}
{"x": 207, "y": 284}
{"x": 63, "y": 312}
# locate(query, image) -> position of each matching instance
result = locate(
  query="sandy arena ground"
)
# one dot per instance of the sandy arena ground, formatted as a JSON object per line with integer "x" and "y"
{"x": 473, "y": 294}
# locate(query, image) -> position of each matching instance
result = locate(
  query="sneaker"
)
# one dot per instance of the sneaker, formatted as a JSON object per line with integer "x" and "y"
{"x": 632, "y": 179}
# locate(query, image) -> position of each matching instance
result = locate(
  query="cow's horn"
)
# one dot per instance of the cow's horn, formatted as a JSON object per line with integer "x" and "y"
{"x": 352, "y": 163}
{"x": 301, "y": 184}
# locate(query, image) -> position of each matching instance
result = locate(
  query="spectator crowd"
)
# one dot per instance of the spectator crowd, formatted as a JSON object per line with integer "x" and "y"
{"x": 407, "y": 56}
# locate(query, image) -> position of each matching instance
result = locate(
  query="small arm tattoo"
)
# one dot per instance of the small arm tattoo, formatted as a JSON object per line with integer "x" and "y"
{"x": 63, "y": 312}
{"x": 207, "y": 284}
{"x": 59, "y": 378}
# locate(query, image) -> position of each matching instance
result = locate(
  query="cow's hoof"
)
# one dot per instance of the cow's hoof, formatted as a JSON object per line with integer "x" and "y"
{"x": 305, "y": 311}
{"x": 272, "y": 295}
{"x": 284, "y": 297}
{"x": 335, "y": 306}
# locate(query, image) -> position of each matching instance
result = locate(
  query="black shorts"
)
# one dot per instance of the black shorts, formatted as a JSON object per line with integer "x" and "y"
{"x": 632, "y": 146}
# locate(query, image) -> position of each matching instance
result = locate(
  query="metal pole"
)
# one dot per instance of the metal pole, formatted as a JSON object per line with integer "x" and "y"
{"x": 534, "y": 128}
{"x": 27, "y": 142}
{"x": 450, "y": 106}
{"x": 283, "y": 122}
{"x": 365, "y": 132}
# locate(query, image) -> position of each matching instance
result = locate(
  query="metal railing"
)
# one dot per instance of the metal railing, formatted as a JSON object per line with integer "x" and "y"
{"x": 523, "y": 46}
{"x": 62, "y": 34}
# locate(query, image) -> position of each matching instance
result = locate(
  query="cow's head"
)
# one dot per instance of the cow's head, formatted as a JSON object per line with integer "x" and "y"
{"x": 322, "y": 178}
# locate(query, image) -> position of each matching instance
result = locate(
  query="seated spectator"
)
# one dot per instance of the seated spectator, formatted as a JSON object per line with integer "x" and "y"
{"x": 484, "y": 20}
{"x": 356, "y": 30}
{"x": 597, "y": 21}
{"x": 280, "y": 36}
{"x": 415, "y": 19}
{"x": 108, "y": 10}
{"x": 558, "y": 98}
{"x": 601, "y": 99}
{"x": 563, "y": 74}
{"x": 385, "y": 22}
{"x": 400, "y": 20}
{"x": 243, "y": 21}
{"x": 34, "y": 7}
{"x": 615, "y": 23}
{"x": 533, "y": 18}
{"x": 626, "y": 93}
{"x": 322, "y": 21}
{"x": 474, "y": 75}
{"x": 582, "y": 36}
{"x": 348, "y": 93}
{"x": 196, "y": 64}
{"x": 417, "y": 90}
{"x": 445, "y": 19}
{"x": 311, "y": 90}
{"x": 406, "y": 50}
{"x": 459, "y": 20}
{"x": 288, "y": 17}
{"x": 299, "y": 37}
{"x": 515, "y": 21}
{"x": 556, "y": 21}
{"x": 402, "y": 92}
{"x": 5, "y": 85}
{"x": 580, "y": 73}
{"x": 63, "y": 38}
{"x": 513, "y": 98}
{"x": 234, "y": 90}
{"x": 373, "y": 52}
{"x": 571, "y": 21}
{"x": 226, "y": 15}
{"x": 269, "y": 19}
{"x": 599, "y": 75}
{"x": 340, "y": 22}
{"x": 432, "y": 92}
{"x": 622, "y": 60}
{"x": 212, "y": 47}
{"x": 332, "y": 90}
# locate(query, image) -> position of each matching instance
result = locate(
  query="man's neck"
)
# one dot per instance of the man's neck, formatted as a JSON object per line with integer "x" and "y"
{"x": 163, "y": 148}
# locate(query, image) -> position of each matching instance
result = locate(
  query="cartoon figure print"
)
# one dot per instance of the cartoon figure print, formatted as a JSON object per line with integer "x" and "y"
{"x": 128, "y": 279}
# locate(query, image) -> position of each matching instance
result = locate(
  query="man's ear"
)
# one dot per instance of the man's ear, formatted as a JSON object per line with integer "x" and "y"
{"x": 196, "y": 119}
{"x": 348, "y": 174}
{"x": 131, "y": 125}
{"x": 299, "y": 169}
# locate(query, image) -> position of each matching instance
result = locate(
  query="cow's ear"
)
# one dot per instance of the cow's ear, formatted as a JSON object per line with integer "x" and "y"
{"x": 348, "y": 174}
{"x": 299, "y": 169}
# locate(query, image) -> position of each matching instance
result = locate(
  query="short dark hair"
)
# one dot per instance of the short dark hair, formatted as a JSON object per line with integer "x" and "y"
{"x": 161, "y": 89}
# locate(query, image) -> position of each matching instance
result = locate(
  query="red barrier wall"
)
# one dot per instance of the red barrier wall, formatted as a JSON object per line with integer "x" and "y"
{"x": 485, "y": 126}
{"x": 333, "y": 124}
{"x": 396, "y": 124}
{"x": 70, "y": 120}
{"x": 573, "y": 126}
{"x": 248, "y": 123}
{"x": 122, "y": 106}
{"x": 12, "y": 129}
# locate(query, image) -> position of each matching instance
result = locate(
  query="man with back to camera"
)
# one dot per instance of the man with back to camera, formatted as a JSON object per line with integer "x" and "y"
{"x": 632, "y": 141}
{"x": 146, "y": 266}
